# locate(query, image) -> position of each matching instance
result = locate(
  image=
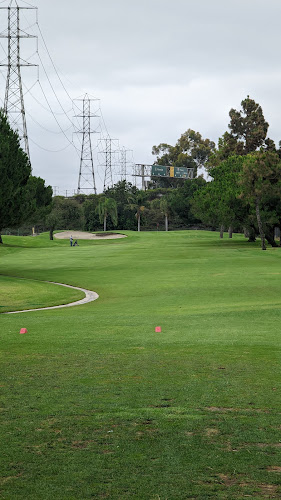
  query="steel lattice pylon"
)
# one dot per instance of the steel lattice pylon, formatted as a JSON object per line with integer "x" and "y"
{"x": 86, "y": 180}
{"x": 14, "y": 102}
{"x": 108, "y": 179}
{"x": 124, "y": 162}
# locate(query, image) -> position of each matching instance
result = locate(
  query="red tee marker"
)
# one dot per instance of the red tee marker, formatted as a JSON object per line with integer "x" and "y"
{"x": 23, "y": 330}
{"x": 158, "y": 329}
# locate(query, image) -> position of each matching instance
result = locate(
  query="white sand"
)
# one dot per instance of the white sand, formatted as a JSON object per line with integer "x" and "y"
{"x": 83, "y": 235}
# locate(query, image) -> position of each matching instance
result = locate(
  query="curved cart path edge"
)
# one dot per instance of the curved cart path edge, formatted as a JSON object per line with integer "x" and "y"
{"x": 89, "y": 297}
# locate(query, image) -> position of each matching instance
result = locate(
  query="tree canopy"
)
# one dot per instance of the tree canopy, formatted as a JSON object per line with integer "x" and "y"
{"x": 21, "y": 194}
{"x": 247, "y": 133}
{"x": 15, "y": 170}
{"x": 190, "y": 150}
{"x": 246, "y": 171}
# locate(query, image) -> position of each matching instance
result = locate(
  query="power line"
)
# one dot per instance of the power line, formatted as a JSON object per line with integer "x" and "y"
{"x": 53, "y": 62}
{"x": 46, "y": 129}
{"x": 56, "y": 118}
{"x": 44, "y": 107}
{"x": 53, "y": 88}
{"x": 50, "y": 150}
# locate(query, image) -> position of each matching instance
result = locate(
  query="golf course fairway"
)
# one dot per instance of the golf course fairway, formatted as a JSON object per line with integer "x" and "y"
{"x": 95, "y": 404}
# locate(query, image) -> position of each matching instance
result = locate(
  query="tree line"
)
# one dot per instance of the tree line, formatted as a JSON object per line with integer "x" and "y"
{"x": 243, "y": 195}
{"x": 22, "y": 196}
{"x": 245, "y": 192}
{"x": 125, "y": 207}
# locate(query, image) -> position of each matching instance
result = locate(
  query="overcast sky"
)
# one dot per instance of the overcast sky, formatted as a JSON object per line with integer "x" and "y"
{"x": 158, "y": 67}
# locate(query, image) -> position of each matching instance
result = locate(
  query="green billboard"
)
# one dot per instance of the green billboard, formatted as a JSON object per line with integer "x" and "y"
{"x": 158, "y": 171}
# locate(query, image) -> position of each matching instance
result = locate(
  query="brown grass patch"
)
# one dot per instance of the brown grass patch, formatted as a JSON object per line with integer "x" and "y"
{"x": 269, "y": 489}
{"x": 82, "y": 444}
{"x": 266, "y": 445}
{"x": 265, "y": 490}
{"x": 211, "y": 431}
{"x": 228, "y": 446}
{"x": 4, "y": 480}
{"x": 274, "y": 468}
{"x": 228, "y": 480}
{"x": 221, "y": 409}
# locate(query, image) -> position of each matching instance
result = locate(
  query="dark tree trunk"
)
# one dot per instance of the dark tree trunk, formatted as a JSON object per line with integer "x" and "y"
{"x": 269, "y": 236}
{"x": 251, "y": 235}
{"x": 52, "y": 233}
{"x": 277, "y": 233}
{"x": 221, "y": 231}
{"x": 230, "y": 231}
{"x": 1, "y": 241}
{"x": 263, "y": 247}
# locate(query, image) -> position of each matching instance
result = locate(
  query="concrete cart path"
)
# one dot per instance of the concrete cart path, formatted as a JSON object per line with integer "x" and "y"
{"x": 89, "y": 297}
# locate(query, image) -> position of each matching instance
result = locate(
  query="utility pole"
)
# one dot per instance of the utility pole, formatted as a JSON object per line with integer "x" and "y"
{"x": 14, "y": 102}
{"x": 86, "y": 180}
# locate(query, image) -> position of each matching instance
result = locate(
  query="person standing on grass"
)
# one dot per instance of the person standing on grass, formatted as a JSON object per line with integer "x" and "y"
{"x": 71, "y": 240}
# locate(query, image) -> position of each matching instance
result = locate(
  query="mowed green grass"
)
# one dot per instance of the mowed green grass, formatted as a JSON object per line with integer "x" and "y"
{"x": 95, "y": 404}
{"x": 20, "y": 294}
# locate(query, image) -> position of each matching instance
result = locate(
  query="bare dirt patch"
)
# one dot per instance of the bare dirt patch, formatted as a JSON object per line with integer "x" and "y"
{"x": 83, "y": 235}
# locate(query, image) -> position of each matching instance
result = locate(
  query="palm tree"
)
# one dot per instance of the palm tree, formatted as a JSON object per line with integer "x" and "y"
{"x": 165, "y": 208}
{"x": 140, "y": 206}
{"x": 107, "y": 207}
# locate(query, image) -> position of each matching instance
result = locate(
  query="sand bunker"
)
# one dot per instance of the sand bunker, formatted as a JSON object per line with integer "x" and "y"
{"x": 83, "y": 235}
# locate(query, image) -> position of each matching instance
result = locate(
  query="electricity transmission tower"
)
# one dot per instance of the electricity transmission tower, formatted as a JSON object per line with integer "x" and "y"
{"x": 108, "y": 179}
{"x": 86, "y": 180}
{"x": 14, "y": 102}
{"x": 124, "y": 162}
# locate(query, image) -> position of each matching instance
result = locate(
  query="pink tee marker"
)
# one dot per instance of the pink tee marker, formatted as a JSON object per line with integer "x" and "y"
{"x": 158, "y": 329}
{"x": 23, "y": 330}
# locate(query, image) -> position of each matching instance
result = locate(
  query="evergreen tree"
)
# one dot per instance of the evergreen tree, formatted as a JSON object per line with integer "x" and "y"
{"x": 16, "y": 195}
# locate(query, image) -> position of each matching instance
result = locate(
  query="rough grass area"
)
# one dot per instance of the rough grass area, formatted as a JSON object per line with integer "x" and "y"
{"x": 95, "y": 404}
